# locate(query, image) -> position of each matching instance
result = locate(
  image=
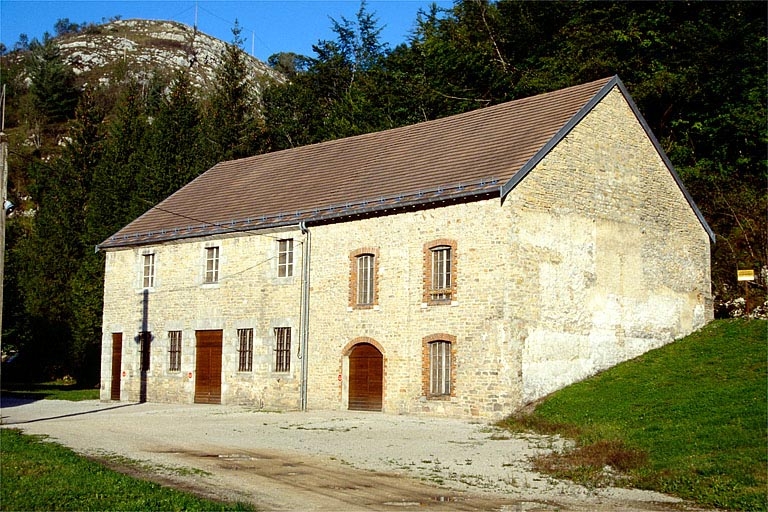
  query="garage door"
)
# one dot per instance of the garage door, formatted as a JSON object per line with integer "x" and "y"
{"x": 366, "y": 378}
{"x": 208, "y": 367}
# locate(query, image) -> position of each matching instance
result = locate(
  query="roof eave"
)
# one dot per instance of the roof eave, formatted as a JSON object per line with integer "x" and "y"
{"x": 383, "y": 206}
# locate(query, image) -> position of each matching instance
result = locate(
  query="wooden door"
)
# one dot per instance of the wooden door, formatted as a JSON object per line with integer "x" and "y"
{"x": 366, "y": 378}
{"x": 208, "y": 367}
{"x": 117, "y": 363}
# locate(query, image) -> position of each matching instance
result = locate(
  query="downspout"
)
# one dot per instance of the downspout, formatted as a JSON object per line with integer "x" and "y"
{"x": 304, "y": 312}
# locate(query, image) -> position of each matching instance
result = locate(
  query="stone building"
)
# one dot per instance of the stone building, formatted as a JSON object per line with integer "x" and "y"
{"x": 458, "y": 267}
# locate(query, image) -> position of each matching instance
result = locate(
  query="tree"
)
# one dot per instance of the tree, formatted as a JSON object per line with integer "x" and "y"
{"x": 234, "y": 126}
{"x": 52, "y": 82}
{"x": 169, "y": 156}
{"x": 63, "y": 27}
{"x": 54, "y": 250}
{"x": 336, "y": 96}
{"x": 289, "y": 64}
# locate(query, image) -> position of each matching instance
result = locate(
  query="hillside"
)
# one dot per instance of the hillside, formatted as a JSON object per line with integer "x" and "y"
{"x": 686, "y": 419}
{"x": 110, "y": 52}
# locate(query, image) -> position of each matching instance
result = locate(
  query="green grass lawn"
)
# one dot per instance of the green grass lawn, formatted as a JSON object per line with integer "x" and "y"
{"x": 688, "y": 419}
{"x": 39, "y": 475}
{"x": 57, "y": 390}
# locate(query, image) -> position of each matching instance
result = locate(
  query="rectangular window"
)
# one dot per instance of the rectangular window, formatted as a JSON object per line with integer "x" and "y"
{"x": 282, "y": 349}
{"x": 441, "y": 273}
{"x": 245, "y": 337}
{"x": 365, "y": 280}
{"x": 145, "y": 346}
{"x": 148, "y": 272}
{"x": 439, "y": 368}
{"x": 285, "y": 258}
{"x": 174, "y": 351}
{"x": 211, "y": 265}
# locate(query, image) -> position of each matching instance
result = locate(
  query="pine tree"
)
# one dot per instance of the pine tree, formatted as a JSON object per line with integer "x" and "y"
{"x": 234, "y": 125}
{"x": 52, "y": 82}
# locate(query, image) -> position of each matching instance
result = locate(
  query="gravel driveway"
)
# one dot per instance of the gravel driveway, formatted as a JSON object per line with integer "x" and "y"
{"x": 321, "y": 460}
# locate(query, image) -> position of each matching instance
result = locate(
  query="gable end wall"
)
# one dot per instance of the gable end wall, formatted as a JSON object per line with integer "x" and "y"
{"x": 618, "y": 263}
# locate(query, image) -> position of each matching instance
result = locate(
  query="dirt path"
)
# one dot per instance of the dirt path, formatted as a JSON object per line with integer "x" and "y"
{"x": 321, "y": 460}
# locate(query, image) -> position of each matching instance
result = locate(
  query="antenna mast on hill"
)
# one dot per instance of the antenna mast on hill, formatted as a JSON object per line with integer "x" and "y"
{"x": 195, "y": 15}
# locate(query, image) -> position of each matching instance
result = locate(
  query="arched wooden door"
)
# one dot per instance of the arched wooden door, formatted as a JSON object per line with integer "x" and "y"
{"x": 366, "y": 378}
{"x": 208, "y": 367}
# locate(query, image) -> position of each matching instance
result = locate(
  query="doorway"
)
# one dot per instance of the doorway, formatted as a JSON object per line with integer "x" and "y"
{"x": 208, "y": 367}
{"x": 366, "y": 378}
{"x": 117, "y": 363}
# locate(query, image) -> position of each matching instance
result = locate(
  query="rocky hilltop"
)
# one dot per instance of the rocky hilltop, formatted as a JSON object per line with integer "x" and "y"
{"x": 113, "y": 51}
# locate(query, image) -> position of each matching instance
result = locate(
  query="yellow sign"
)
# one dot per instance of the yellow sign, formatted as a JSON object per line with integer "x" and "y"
{"x": 746, "y": 275}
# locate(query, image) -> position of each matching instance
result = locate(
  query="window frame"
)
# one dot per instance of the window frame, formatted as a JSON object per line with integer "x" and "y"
{"x": 439, "y": 368}
{"x": 174, "y": 351}
{"x": 444, "y": 388}
{"x": 211, "y": 268}
{"x": 364, "y": 281}
{"x": 148, "y": 270}
{"x": 245, "y": 350}
{"x": 285, "y": 257}
{"x": 282, "y": 349}
{"x": 440, "y": 272}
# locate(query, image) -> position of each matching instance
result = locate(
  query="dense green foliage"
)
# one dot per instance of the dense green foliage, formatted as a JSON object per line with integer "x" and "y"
{"x": 697, "y": 71}
{"x": 39, "y": 475}
{"x": 697, "y": 408}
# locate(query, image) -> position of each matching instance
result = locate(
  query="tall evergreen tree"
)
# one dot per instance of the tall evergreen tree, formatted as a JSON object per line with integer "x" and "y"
{"x": 52, "y": 82}
{"x": 55, "y": 249}
{"x": 169, "y": 156}
{"x": 234, "y": 126}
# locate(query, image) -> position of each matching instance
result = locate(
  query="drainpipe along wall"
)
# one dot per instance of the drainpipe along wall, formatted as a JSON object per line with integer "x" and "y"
{"x": 304, "y": 312}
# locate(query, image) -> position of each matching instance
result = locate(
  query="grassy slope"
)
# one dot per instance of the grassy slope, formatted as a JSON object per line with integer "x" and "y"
{"x": 688, "y": 419}
{"x": 38, "y": 475}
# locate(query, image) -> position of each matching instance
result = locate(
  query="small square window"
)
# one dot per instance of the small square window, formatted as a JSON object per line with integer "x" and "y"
{"x": 211, "y": 265}
{"x": 285, "y": 258}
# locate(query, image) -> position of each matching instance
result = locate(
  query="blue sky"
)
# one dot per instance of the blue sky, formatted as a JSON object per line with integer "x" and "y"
{"x": 269, "y": 26}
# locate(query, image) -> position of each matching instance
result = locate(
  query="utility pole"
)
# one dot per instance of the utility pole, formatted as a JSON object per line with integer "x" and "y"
{"x": 4, "y": 185}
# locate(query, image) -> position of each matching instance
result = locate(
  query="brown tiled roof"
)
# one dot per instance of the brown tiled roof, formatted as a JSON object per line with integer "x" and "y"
{"x": 469, "y": 154}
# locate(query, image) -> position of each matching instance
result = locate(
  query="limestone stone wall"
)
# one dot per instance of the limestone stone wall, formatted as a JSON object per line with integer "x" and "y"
{"x": 618, "y": 262}
{"x": 486, "y": 362}
{"x": 593, "y": 258}
{"x": 248, "y": 295}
